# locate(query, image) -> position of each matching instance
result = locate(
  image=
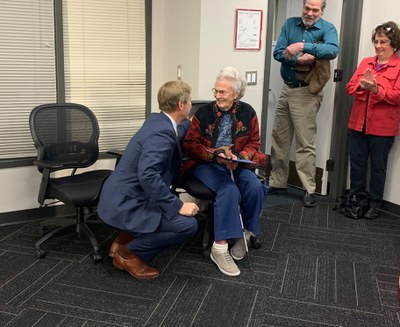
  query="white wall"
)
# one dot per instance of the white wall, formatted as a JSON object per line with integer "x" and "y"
{"x": 373, "y": 15}
{"x": 217, "y": 47}
{"x": 203, "y": 45}
{"x": 175, "y": 41}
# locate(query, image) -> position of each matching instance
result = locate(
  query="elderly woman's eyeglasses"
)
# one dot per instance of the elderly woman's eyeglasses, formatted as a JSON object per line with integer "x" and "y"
{"x": 381, "y": 42}
{"x": 222, "y": 92}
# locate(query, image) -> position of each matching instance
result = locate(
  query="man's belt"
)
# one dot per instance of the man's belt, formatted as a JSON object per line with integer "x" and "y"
{"x": 294, "y": 85}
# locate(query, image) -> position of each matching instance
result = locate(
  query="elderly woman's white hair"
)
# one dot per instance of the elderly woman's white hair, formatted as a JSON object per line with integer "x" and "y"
{"x": 232, "y": 74}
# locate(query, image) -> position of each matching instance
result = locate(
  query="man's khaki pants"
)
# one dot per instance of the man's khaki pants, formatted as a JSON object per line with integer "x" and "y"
{"x": 296, "y": 114}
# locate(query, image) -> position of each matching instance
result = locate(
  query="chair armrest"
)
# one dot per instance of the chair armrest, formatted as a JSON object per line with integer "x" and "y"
{"x": 117, "y": 153}
{"x": 48, "y": 164}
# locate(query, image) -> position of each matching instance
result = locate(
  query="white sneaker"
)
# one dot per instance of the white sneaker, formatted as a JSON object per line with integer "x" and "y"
{"x": 238, "y": 251}
{"x": 225, "y": 263}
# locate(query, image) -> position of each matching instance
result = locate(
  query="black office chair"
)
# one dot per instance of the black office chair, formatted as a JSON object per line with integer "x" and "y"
{"x": 66, "y": 137}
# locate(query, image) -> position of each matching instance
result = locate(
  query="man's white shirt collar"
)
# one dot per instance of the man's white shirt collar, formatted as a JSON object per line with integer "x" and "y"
{"x": 173, "y": 122}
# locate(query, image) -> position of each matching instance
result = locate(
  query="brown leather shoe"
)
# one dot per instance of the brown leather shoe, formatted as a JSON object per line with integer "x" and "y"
{"x": 122, "y": 239}
{"x": 125, "y": 259}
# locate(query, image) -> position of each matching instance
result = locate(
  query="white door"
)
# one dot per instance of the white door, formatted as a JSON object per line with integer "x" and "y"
{"x": 332, "y": 14}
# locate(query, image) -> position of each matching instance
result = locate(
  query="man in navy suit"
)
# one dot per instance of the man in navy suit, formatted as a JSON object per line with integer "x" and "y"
{"x": 137, "y": 198}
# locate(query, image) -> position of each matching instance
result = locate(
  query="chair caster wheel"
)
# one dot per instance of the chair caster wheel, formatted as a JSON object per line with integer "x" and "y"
{"x": 43, "y": 231}
{"x": 97, "y": 258}
{"x": 255, "y": 243}
{"x": 40, "y": 254}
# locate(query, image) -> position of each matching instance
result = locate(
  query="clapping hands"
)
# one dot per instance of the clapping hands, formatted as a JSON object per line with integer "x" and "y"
{"x": 368, "y": 82}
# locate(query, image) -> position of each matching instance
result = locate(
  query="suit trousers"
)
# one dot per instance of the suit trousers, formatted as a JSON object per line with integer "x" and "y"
{"x": 375, "y": 148}
{"x": 245, "y": 196}
{"x": 170, "y": 232}
{"x": 296, "y": 115}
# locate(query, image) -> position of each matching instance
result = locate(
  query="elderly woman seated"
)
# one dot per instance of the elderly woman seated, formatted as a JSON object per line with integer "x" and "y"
{"x": 223, "y": 130}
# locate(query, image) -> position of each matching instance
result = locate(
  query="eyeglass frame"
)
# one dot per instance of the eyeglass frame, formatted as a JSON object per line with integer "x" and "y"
{"x": 381, "y": 42}
{"x": 222, "y": 92}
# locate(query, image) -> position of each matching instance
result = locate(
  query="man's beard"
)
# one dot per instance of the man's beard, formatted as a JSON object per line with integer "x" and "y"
{"x": 310, "y": 22}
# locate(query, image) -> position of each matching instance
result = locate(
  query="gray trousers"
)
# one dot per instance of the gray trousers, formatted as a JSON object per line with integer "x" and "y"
{"x": 296, "y": 115}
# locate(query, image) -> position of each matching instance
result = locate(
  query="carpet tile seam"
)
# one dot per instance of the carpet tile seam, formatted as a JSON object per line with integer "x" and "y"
{"x": 201, "y": 304}
{"x": 102, "y": 291}
{"x": 275, "y": 236}
{"x": 284, "y": 274}
{"x": 12, "y": 234}
{"x": 336, "y": 307}
{"x": 302, "y": 320}
{"x": 332, "y": 243}
{"x": 74, "y": 316}
{"x": 175, "y": 255}
{"x": 82, "y": 309}
{"x": 52, "y": 279}
{"x": 36, "y": 280}
{"x": 16, "y": 317}
{"x": 225, "y": 280}
{"x": 355, "y": 283}
{"x": 173, "y": 303}
{"x": 252, "y": 308}
{"x": 160, "y": 301}
{"x": 330, "y": 230}
{"x": 20, "y": 273}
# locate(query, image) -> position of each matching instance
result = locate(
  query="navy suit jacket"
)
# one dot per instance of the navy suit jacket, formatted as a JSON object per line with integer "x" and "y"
{"x": 137, "y": 193}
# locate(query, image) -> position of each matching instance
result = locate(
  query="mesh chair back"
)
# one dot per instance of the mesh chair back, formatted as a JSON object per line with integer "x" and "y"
{"x": 196, "y": 104}
{"x": 67, "y": 133}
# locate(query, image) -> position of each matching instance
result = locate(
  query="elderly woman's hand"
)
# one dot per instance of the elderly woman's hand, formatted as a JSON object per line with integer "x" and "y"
{"x": 222, "y": 160}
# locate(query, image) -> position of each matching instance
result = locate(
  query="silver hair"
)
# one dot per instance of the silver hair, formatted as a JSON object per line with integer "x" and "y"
{"x": 232, "y": 74}
{"x": 323, "y": 4}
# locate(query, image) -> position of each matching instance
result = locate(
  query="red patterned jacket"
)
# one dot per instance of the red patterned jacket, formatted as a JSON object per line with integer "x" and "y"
{"x": 199, "y": 143}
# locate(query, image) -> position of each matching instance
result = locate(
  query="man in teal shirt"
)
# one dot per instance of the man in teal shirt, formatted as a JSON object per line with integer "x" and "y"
{"x": 303, "y": 42}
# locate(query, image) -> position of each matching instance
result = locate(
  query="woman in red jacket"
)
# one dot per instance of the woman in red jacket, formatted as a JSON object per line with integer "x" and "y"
{"x": 375, "y": 116}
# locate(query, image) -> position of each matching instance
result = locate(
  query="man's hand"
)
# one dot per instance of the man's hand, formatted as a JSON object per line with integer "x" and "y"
{"x": 292, "y": 50}
{"x": 305, "y": 59}
{"x": 189, "y": 209}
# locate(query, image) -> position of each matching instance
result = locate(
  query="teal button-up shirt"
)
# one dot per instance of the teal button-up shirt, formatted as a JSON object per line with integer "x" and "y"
{"x": 320, "y": 40}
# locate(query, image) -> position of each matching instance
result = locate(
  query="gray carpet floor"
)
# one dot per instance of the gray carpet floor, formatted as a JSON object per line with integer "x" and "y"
{"x": 315, "y": 268}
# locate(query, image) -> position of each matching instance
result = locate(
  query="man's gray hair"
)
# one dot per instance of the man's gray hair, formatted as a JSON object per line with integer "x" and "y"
{"x": 323, "y": 4}
{"x": 232, "y": 74}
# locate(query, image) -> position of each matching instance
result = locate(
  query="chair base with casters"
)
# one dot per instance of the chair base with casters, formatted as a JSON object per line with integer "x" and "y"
{"x": 65, "y": 189}
{"x": 81, "y": 227}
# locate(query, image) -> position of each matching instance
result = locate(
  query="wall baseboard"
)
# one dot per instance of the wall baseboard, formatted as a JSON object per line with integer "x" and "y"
{"x": 29, "y": 215}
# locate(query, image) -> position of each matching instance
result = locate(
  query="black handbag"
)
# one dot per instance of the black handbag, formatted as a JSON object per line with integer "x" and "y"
{"x": 353, "y": 206}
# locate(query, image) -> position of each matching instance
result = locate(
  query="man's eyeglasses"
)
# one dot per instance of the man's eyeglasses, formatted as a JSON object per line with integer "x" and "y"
{"x": 222, "y": 92}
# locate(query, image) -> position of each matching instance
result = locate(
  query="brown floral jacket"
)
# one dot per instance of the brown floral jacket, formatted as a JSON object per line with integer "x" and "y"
{"x": 199, "y": 143}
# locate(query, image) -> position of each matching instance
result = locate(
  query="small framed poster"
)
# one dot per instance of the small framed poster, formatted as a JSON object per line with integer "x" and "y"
{"x": 248, "y": 26}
